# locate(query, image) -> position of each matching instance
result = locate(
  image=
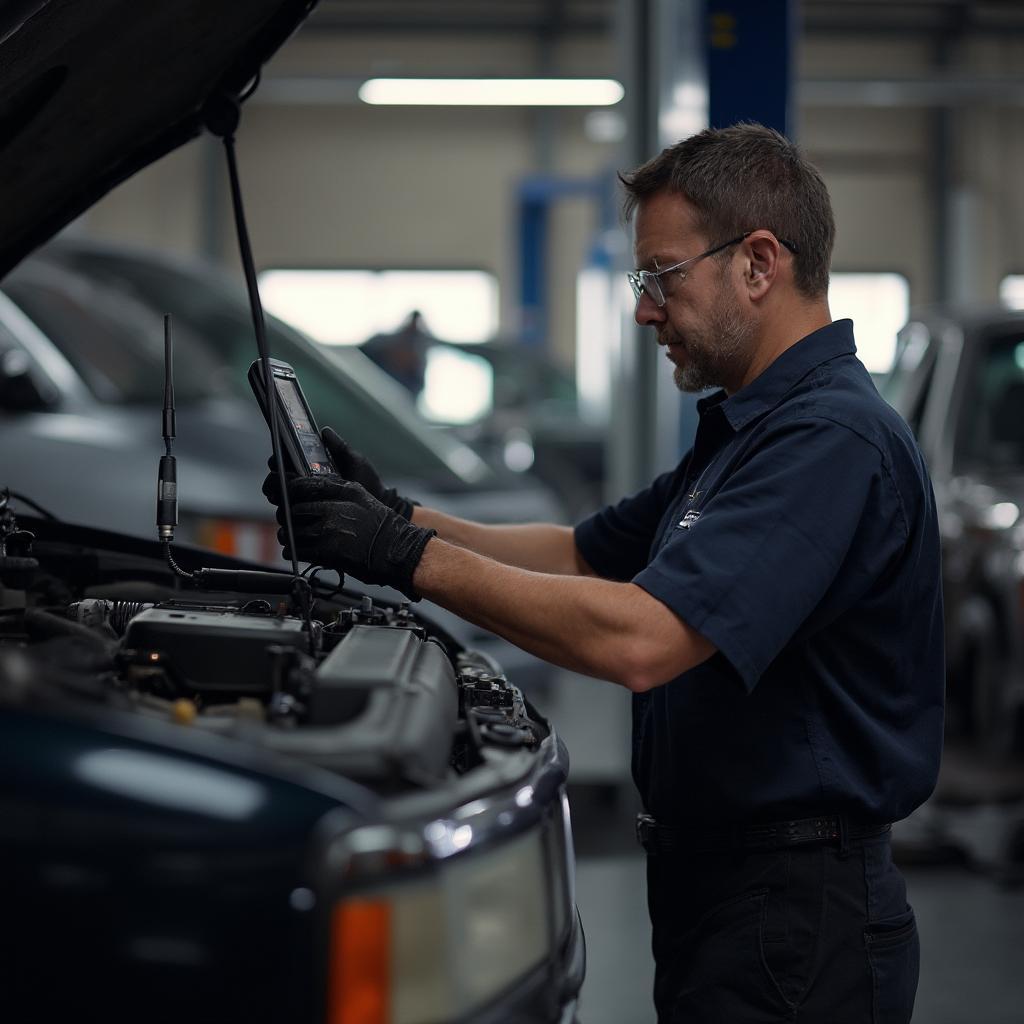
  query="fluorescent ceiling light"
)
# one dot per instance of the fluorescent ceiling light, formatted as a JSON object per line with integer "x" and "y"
{"x": 493, "y": 92}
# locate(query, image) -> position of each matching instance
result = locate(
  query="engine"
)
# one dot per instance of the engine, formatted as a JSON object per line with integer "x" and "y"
{"x": 362, "y": 689}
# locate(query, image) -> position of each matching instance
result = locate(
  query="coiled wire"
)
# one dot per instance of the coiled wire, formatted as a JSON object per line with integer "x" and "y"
{"x": 122, "y": 612}
{"x": 173, "y": 565}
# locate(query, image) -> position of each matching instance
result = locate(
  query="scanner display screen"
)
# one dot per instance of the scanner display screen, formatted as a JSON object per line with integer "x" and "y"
{"x": 302, "y": 423}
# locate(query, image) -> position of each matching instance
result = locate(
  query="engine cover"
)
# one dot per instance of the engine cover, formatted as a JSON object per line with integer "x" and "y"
{"x": 215, "y": 651}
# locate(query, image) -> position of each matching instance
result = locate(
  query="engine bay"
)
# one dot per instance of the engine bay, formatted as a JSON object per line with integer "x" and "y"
{"x": 363, "y": 688}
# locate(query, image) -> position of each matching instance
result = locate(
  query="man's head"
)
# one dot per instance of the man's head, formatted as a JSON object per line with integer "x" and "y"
{"x": 747, "y": 189}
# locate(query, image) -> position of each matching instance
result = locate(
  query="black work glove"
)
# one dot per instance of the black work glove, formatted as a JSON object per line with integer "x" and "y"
{"x": 339, "y": 524}
{"x": 357, "y": 468}
{"x": 350, "y": 466}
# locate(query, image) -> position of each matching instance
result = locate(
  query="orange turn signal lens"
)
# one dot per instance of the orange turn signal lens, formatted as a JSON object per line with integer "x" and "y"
{"x": 242, "y": 538}
{"x": 220, "y": 536}
{"x": 359, "y": 972}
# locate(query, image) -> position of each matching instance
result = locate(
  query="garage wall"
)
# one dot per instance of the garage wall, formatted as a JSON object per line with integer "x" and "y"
{"x": 357, "y": 186}
{"x": 350, "y": 185}
{"x": 991, "y": 163}
{"x": 159, "y": 207}
{"x": 875, "y": 163}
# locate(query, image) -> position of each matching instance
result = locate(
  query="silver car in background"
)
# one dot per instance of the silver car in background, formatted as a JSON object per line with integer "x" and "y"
{"x": 81, "y": 378}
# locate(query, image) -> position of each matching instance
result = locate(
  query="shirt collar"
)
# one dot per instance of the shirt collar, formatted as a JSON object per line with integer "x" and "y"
{"x": 766, "y": 391}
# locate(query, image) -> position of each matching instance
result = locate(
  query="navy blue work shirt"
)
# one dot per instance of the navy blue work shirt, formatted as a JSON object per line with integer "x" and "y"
{"x": 799, "y": 536}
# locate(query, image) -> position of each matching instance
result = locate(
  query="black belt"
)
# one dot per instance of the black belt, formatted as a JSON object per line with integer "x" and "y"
{"x": 696, "y": 838}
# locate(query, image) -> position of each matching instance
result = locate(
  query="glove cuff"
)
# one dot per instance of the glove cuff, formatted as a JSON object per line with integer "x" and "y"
{"x": 412, "y": 559}
{"x": 395, "y": 552}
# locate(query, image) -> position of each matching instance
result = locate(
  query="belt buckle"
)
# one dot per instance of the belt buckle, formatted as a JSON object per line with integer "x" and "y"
{"x": 645, "y": 831}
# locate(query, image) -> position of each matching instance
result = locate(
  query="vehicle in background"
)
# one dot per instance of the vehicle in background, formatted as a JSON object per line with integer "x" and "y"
{"x": 958, "y": 380}
{"x": 101, "y": 308}
{"x": 80, "y": 383}
{"x": 81, "y": 377}
{"x": 509, "y": 400}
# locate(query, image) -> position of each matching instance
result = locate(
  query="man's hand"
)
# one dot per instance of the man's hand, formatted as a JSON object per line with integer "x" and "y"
{"x": 351, "y": 466}
{"x": 339, "y": 524}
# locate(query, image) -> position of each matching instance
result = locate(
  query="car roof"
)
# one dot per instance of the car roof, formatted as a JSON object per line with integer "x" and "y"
{"x": 970, "y": 319}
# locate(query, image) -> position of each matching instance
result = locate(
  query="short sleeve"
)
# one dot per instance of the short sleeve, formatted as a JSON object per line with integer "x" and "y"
{"x": 768, "y": 546}
{"x": 616, "y": 541}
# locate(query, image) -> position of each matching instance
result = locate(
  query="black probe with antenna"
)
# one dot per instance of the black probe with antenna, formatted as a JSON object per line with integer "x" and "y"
{"x": 167, "y": 478}
{"x": 245, "y": 580}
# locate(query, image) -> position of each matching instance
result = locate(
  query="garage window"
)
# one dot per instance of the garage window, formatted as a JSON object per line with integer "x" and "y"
{"x": 345, "y": 307}
{"x": 879, "y": 305}
{"x": 1011, "y": 291}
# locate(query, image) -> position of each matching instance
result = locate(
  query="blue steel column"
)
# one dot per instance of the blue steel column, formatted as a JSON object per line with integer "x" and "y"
{"x": 662, "y": 62}
{"x": 533, "y": 242}
{"x": 686, "y": 64}
{"x": 537, "y": 194}
{"x": 750, "y": 62}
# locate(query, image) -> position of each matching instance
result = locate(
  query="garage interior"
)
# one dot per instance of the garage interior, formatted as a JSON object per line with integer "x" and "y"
{"x": 914, "y": 112}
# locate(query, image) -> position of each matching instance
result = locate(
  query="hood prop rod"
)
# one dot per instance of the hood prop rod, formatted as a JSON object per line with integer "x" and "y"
{"x": 222, "y": 114}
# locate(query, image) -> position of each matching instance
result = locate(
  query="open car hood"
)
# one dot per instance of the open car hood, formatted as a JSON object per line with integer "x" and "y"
{"x": 92, "y": 92}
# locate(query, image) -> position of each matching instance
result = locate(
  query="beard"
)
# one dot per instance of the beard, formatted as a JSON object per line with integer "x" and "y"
{"x": 717, "y": 353}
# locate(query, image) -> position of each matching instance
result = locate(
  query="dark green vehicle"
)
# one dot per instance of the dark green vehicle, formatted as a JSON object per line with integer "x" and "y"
{"x": 234, "y": 797}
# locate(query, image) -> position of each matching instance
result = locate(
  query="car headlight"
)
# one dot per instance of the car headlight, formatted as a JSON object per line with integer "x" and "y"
{"x": 445, "y": 942}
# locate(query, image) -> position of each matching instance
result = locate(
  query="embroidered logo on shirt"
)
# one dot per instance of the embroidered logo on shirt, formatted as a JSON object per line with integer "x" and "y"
{"x": 688, "y": 520}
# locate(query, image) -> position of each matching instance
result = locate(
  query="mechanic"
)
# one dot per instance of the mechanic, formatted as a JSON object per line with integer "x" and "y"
{"x": 773, "y": 604}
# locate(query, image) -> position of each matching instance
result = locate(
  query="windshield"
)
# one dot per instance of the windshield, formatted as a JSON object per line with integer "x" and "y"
{"x": 214, "y": 314}
{"x": 114, "y": 343}
{"x": 529, "y": 378}
{"x": 991, "y": 432}
{"x": 905, "y": 386}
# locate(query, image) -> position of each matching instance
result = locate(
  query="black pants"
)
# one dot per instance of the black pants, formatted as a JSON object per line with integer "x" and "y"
{"x": 803, "y": 934}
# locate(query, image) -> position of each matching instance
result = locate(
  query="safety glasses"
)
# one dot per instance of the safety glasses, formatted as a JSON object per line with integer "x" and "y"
{"x": 648, "y": 280}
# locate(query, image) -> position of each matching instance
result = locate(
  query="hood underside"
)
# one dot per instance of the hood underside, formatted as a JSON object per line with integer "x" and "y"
{"x": 91, "y": 92}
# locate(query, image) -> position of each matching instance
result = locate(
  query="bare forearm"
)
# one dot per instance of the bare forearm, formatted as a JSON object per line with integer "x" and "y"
{"x": 541, "y": 547}
{"x": 613, "y": 631}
